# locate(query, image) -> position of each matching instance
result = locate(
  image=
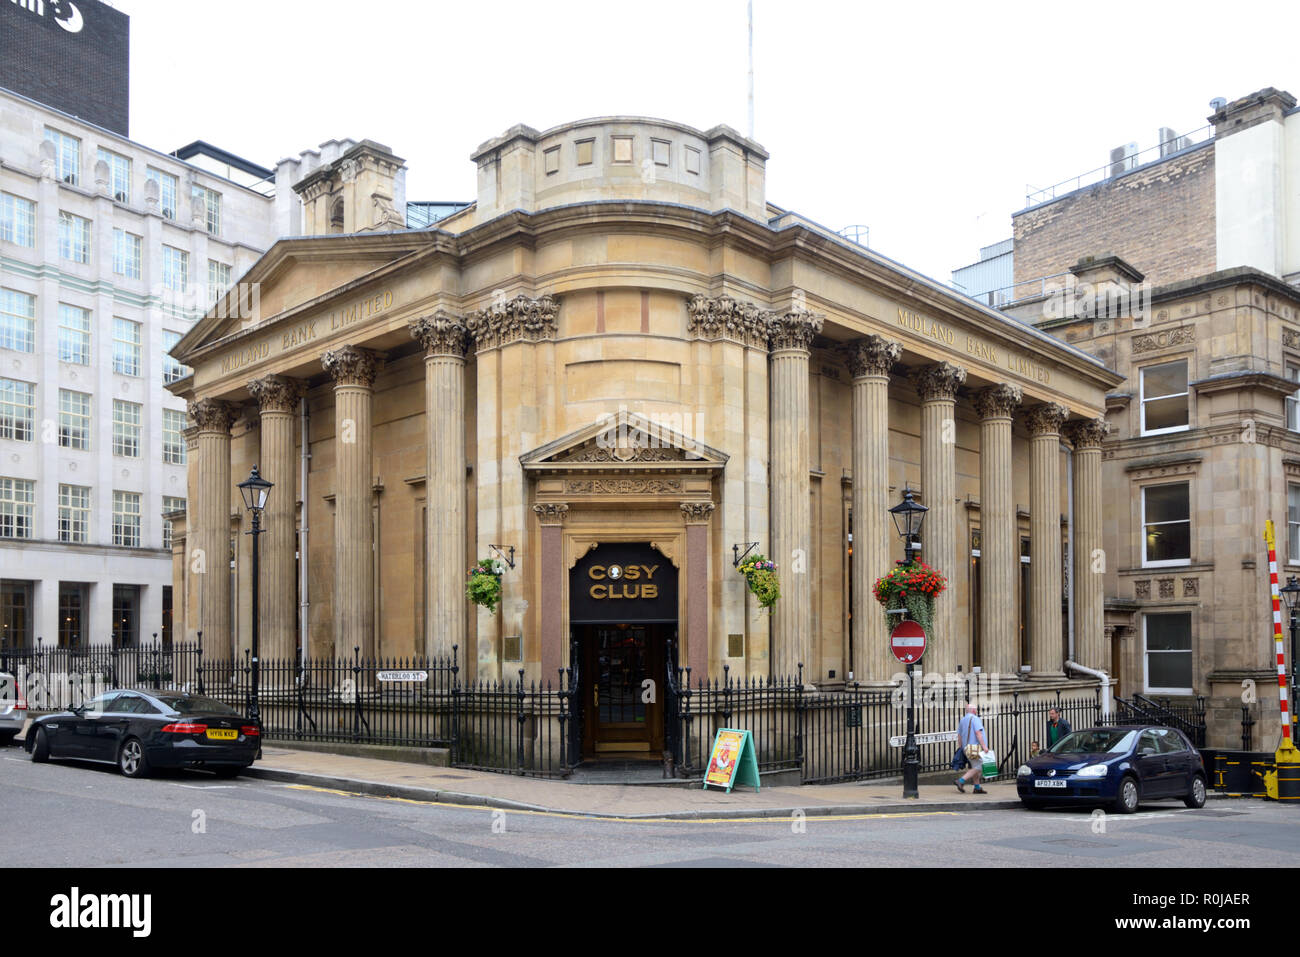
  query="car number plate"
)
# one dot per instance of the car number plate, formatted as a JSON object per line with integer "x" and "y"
{"x": 221, "y": 734}
{"x": 1049, "y": 784}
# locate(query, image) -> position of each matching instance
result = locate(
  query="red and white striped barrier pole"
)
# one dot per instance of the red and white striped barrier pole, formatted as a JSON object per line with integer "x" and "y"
{"x": 1277, "y": 635}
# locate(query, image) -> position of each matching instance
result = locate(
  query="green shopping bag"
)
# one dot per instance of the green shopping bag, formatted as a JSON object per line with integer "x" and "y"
{"x": 990, "y": 761}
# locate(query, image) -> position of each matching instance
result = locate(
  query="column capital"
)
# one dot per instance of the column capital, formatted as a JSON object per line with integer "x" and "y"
{"x": 998, "y": 401}
{"x": 872, "y": 356}
{"x": 721, "y": 317}
{"x": 441, "y": 334}
{"x": 552, "y": 513}
{"x": 794, "y": 330}
{"x": 1046, "y": 419}
{"x": 697, "y": 513}
{"x": 213, "y": 415}
{"x": 509, "y": 320}
{"x": 1086, "y": 433}
{"x": 939, "y": 381}
{"x": 351, "y": 365}
{"x": 276, "y": 393}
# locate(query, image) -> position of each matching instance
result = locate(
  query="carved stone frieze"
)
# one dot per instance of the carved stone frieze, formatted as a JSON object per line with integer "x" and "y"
{"x": 514, "y": 319}
{"x": 721, "y": 317}
{"x": 697, "y": 512}
{"x": 624, "y": 454}
{"x": 1166, "y": 587}
{"x": 626, "y": 486}
{"x": 1149, "y": 342}
{"x": 1142, "y": 588}
{"x": 552, "y": 513}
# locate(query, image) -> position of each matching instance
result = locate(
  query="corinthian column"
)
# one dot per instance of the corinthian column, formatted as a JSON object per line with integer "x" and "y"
{"x": 277, "y": 398}
{"x": 1089, "y": 560}
{"x": 354, "y": 371}
{"x": 999, "y": 557}
{"x": 1045, "y": 536}
{"x": 209, "y": 558}
{"x": 870, "y": 360}
{"x": 937, "y": 386}
{"x": 445, "y": 340}
{"x": 791, "y": 342}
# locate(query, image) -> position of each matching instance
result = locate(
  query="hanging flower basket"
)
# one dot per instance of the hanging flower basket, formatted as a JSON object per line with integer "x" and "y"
{"x": 760, "y": 575}
{"x": 915, "y": 587}
{"x": 484, "y": 585}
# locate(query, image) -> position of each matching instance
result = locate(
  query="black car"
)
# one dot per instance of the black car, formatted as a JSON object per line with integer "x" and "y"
{"x": 142, "y": 730}
{"x": 1119, "y": 766}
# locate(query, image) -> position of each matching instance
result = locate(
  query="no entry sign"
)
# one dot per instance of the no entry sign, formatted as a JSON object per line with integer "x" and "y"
{"x": 907, "y": 642}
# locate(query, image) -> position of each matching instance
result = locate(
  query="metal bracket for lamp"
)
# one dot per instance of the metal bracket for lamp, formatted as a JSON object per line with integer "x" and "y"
{"x": 738, "y": 555}
{"x": 508, "y": 559}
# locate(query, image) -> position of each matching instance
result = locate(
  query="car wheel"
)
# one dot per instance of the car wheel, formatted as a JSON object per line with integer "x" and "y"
{"x": 1196, "y": 794}
{"x": 41, "y": 747}
{"x": 131, "y": 759}
{"x": 228, "y": 770}
{"x": 1126, "y": 802}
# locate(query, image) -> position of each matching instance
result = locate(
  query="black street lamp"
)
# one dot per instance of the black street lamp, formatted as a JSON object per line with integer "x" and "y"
{"x": 1291, "y": 594}
{"x": 255, "y": 490}
{"x": 908, "y": 519}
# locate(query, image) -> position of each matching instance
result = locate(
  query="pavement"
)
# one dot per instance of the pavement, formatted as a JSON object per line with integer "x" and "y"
{"x": 456, "y": 786}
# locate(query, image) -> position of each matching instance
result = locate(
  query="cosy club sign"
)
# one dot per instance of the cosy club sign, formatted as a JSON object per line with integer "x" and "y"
{"x": 623, "y": 581}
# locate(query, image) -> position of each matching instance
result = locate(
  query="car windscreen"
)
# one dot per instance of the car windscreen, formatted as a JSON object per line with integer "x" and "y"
{"x": 1096, "y": 741}
{"x": 190, "y": 704}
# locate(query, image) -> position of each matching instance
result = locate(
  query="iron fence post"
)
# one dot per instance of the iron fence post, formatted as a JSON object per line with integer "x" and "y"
{"x": 520, "y": 723}
{"x": 199, "y": 666}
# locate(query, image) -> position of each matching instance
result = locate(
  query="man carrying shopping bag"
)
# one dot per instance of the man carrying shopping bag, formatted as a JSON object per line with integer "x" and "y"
{"x": 970, "y": 735}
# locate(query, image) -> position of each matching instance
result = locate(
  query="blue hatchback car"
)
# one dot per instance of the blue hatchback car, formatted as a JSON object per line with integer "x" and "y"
{"x": 1120, "y": 767}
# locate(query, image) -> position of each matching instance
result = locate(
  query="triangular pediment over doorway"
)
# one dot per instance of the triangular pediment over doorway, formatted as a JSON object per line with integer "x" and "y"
{"x": 626, "y": 442}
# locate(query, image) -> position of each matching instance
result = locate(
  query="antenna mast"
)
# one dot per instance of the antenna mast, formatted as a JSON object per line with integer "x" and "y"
{"x": 751, "y": 69}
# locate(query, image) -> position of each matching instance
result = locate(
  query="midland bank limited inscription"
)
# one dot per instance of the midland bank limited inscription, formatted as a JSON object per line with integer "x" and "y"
{"x": 307, "y": 331}
{"x": 978, "y": 348}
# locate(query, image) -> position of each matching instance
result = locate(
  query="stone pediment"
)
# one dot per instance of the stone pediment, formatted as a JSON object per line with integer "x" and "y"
{"x": 626, "y": 442}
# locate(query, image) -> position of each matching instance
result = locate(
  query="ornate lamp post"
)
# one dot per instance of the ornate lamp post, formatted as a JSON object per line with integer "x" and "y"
{"x": 908, "y": 518}
{"x": 1291, "y": 595}
{"x": 255, "y": 490}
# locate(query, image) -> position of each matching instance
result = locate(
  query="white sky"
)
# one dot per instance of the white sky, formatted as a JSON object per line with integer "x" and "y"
{"x": 923, "y": 120}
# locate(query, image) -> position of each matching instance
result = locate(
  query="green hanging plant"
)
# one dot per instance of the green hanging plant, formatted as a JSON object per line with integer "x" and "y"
{"x": 914, "y": 586}
{"x": 484, "y": 585}
{"x": 760, "y": 575}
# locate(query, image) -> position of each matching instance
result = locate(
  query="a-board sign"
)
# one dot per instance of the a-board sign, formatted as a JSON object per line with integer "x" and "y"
{"x": 732, "y": 761}
{"x": 404, "y": 676}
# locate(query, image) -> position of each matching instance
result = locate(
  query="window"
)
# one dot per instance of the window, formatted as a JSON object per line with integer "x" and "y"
{"x": 71, "y": 610}
{"x": 126, "y": 519}
{"x": 1166, "y": 524}
{"x": 218, "y": 280}
{"x": 17, "y": 220}
{"x": 127, "y": 253}
{"x": 126, "y": 428}
{"x": 210, "y": 202}
{"x": 1293, "y": 400}
{"x": 977, "y": 650}
{"x": 173, "y": 371}
{"x": 74, "y": 513}
{"x": 170, "y": 504}
{"x": 17, "y": 410}
{"x": 67, "y": 156}
{"x": 168, "y": 187}
{"x": 17, "y": 321}
{"x": 17, "y": 503}
{"x": 74, "y": 420}
{"x": 1168, "y": 655}
{"x": 119, "y": 175}
{"x": 1164, "y": 398}
{"x": 176, "y": 269}
{"x": 1293, "y": 524}
{"x": 74, "y": 334}
{"x": 126, "y": 347}
{"x": 15, "y": 614}
{"x": 126, "y": 616}
{"x": 74, "y": 237}
{"x": 1026, "y": 640}
{"x": 173, "y": 441}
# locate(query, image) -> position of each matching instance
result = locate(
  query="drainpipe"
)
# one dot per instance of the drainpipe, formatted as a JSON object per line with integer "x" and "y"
{"x": 1105, "y": 684}
{"x": 1069, "y": 549}
{"x": 304, "y": 604}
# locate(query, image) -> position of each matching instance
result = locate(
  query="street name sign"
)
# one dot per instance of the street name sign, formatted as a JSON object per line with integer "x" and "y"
{"x": 898, "y": 740}
{"x": 403, "y": 676}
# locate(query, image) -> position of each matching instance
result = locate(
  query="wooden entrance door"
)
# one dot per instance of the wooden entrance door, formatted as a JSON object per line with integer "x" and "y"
{"x": 618, "y": 659}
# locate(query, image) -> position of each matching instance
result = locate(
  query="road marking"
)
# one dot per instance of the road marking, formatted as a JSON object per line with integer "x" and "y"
{"x": 207, "y": 787}
{"x": 782, "y": 819}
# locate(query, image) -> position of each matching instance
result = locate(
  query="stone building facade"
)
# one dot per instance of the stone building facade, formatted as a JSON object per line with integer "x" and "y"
{"x": 618, "y": 369}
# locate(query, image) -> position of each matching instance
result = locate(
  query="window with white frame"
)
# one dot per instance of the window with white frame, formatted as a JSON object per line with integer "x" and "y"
{"x": 74, "y": 513}
{"x": 1293, "y": 524}
{"x": 1166, "y": 525}
{"x": 74, "y": 420}
{"x": 128, "y": 253}
{"x": 172, "y": 370}
{"x": 126, "y": 428}
{"x": 74, "y": 237}
{"x": 173, "y": 441}
{"x": 74, "y": 334}
{"x": 170, "y": 504}
{"x": 17, "y": 410}
{"x": 67, "y": 156}
{"x": 1293, "y": 400}
{"x": 176, "y": 269}
{"x": 210, "y": 202}
{"x": 17, "y": 506}
{"x": 17, "y": 321}
{"x": 218, "y": 280}
{"x": 126, "y": 519}
{"x": 168, "y": 187}
{"x": 119, "y": 175}
{"x": 17, "y": 220}
{"x": 126, "y": 347}
{"x": 1165, "y": 398}
{"x": 1167, "y": 640}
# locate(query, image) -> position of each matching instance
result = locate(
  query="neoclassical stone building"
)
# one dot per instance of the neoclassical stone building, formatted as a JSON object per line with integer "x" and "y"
{"x": 619, "y": 368}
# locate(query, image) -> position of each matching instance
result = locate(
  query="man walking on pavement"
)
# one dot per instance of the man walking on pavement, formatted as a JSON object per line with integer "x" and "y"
{"x": 970, "y": 734}
{"x": 1057, "y": 727}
